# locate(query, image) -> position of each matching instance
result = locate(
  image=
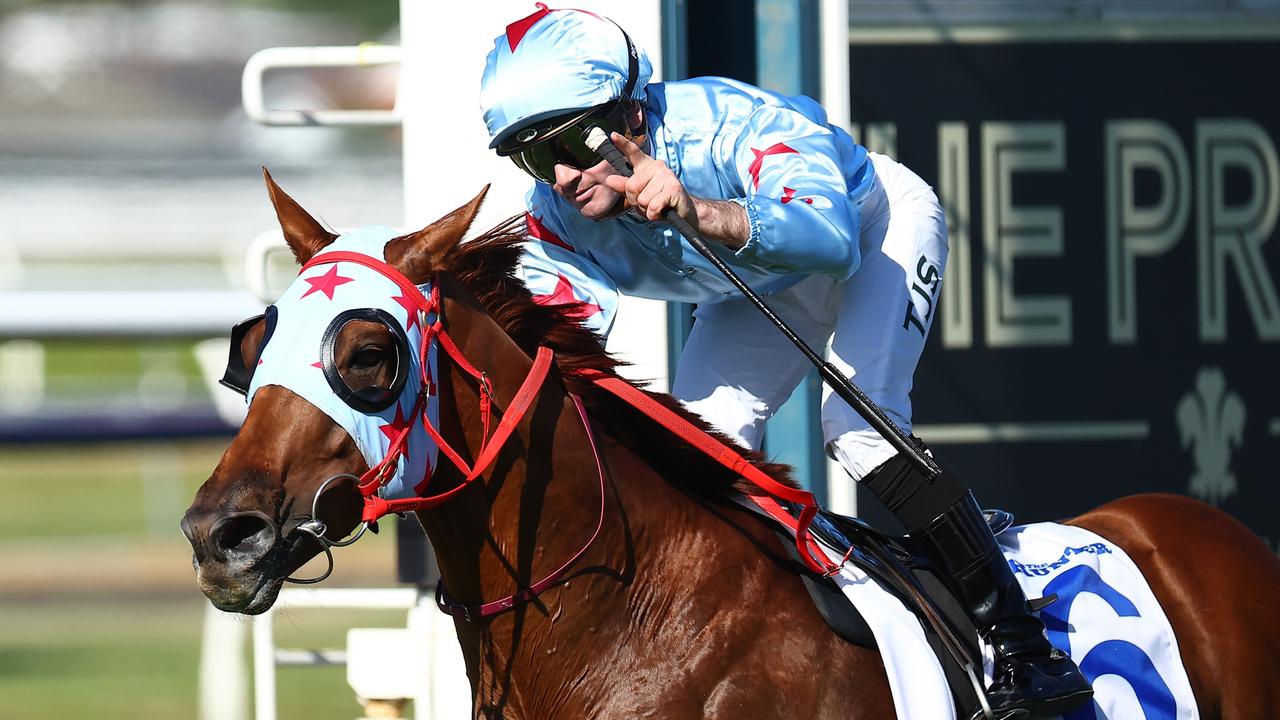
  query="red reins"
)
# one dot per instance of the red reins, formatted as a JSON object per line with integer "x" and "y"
{"x": 810, "y": 552}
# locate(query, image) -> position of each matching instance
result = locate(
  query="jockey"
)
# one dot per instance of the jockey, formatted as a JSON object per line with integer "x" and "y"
{"x": 849, "y": 245}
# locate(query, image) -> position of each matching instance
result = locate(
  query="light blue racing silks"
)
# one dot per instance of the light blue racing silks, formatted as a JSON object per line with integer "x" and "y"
{"x": 801, "y": 181}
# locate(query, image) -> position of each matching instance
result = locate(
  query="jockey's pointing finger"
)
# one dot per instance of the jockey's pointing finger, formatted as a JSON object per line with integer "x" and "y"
{"x": 632, "y": 152}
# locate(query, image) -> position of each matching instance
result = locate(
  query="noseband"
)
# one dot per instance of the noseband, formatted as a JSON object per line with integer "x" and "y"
{"x": 316, "y": 528}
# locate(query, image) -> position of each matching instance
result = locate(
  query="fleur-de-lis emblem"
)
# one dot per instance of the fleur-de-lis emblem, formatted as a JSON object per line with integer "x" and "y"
{"x": 1212, "y": 423}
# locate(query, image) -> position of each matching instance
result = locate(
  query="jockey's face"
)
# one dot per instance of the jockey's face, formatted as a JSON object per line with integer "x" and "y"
{"x": 585, "y": 189}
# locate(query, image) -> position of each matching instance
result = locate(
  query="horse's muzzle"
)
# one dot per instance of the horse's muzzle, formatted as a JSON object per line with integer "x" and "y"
{"x": 233, "y": 555}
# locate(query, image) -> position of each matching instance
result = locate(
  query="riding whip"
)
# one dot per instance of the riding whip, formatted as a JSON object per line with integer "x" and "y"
{"x": 599, "y": 142}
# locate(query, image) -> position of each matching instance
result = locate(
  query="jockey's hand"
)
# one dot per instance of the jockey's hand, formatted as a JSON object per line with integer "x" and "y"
{"x": 653, "y": 188}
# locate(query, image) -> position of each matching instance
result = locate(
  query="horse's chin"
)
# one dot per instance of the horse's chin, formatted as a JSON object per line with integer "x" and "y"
{"x": 252, "y": 590}
{"x": 250, "y": 596}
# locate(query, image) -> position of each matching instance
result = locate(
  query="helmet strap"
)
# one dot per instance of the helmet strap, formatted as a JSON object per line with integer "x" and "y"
{"x": 633, "y": 64}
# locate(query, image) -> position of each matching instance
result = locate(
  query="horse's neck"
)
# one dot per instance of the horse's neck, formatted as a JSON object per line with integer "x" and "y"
{"x": 653, "y": 570}
{"x": 516, "y": 526}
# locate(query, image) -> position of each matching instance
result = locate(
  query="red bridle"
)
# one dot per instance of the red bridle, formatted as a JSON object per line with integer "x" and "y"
{"x": 490, "y": 445}
{"x": 378, "y": 475}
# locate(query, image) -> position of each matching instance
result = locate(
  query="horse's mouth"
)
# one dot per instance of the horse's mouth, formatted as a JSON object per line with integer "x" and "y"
{"x": 264, "y": 579}
{"x": 259, "y": 601}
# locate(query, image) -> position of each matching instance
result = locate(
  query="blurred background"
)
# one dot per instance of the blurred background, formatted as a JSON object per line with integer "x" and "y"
{"x": 1109, "y": 323}
{"x": 128, "y": 170}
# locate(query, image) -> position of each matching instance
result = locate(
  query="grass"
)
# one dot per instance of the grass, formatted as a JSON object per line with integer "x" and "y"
{"x": 87, "y": 490}
{"x": 104, "y": 660}
{"x": 99, "y": 616}
{"x": 124, "y": 660}
{"x": 114, "y": 357}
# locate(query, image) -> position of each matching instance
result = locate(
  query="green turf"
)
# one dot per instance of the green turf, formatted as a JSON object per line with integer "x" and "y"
{"x": 65, "y": 660}
{"x": 101, "y": 489}
{"x": 64, "y": 657}
{"x": 123, "y": 661}
{"x": 112, "y": 365}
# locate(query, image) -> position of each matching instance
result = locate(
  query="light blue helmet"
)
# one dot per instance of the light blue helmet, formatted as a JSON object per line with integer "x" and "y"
{"x": 554, "y": 62}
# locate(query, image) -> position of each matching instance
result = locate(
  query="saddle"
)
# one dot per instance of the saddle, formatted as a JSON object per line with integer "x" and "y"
{"x": 903, "y": 570}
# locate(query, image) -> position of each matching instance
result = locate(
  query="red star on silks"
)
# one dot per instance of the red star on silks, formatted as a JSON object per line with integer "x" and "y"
{"x": 318, "y": 365}
{"x": 410, "y": 306}
{"x": 326, "y": 282}
{"x": 542, "y": 232}
{"x": 397, "y": 426}
{"x": 754, "y": 167}
{"x": 789, "y": 194}
{"x": 563, "y": 295}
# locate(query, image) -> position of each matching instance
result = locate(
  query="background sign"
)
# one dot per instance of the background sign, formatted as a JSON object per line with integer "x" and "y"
{"x": 1110, "y": 319}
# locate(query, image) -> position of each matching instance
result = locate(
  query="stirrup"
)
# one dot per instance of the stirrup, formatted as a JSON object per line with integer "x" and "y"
{"x": 998, "y": 520}
{"x": 1040, "y": 603}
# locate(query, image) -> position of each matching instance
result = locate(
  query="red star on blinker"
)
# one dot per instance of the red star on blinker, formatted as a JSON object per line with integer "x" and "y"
{"x": 563, "y": 295}
{"x": 410, "y": 306}
{"x": 326, "y": 282}
{"x": 426, "y": 478}
{"x": 397, "y": 426}
{"x": 754, "y": 167}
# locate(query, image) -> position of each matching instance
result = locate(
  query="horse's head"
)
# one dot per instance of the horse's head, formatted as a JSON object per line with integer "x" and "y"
{"x": 332, "y": 371}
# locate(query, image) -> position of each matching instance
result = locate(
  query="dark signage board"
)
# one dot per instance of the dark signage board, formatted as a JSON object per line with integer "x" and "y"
{"x": 1110, "y": 318}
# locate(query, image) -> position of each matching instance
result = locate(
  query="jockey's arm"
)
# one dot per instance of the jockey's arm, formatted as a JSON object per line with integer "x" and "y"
{"x": 722, "y": 221}
{"x": 653, "y": 189}
{"x": 801, "y": 191}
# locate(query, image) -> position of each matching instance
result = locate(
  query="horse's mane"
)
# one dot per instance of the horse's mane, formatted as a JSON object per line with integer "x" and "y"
{"x": 486, "y": 266}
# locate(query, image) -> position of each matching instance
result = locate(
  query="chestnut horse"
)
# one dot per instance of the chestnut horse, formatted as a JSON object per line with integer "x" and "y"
{"x": 685, "y": 606}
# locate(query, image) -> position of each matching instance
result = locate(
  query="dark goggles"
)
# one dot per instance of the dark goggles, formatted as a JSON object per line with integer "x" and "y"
{"x": 538, "y": 148}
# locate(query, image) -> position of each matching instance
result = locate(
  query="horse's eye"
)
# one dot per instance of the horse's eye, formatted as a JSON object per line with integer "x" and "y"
{"x": 368, "y": 356}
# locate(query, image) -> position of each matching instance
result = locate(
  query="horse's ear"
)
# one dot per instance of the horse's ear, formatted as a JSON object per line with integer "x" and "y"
{"x": 419, "y": 254}
{"x": 303, "y": 233}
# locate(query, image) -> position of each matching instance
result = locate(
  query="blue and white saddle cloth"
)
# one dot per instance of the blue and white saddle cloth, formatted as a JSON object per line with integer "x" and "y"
{"x": 1106, "y": 618}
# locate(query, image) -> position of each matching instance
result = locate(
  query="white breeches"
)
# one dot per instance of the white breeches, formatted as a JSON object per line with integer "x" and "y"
{"x": 737, "y": 369}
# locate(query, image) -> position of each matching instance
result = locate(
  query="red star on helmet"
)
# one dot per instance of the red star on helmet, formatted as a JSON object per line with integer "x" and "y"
{"x": 563, "y": 296}
{"x": 327, "y": 282}
{"x": 517, "y": 29}
{"x": 754, "y": 167}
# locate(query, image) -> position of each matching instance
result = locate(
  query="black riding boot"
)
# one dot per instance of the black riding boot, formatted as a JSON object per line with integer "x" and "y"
{"x": 1032, "y": 678}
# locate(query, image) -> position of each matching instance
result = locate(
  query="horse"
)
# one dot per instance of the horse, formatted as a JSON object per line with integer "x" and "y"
{"x": 683, "y": 604}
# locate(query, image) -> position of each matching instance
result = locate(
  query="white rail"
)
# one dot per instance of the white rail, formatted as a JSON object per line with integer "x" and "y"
{"x": 266, "y": 656}
{"x": 186, "y": 313}
{"x": 364, "y": 55}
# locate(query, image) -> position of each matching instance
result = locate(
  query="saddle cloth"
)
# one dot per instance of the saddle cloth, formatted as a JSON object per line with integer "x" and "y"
{"x": 1106, "y": 618}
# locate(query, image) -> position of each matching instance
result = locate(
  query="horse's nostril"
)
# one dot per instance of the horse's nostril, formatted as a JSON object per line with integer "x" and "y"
{"x": 242, "y": 533}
